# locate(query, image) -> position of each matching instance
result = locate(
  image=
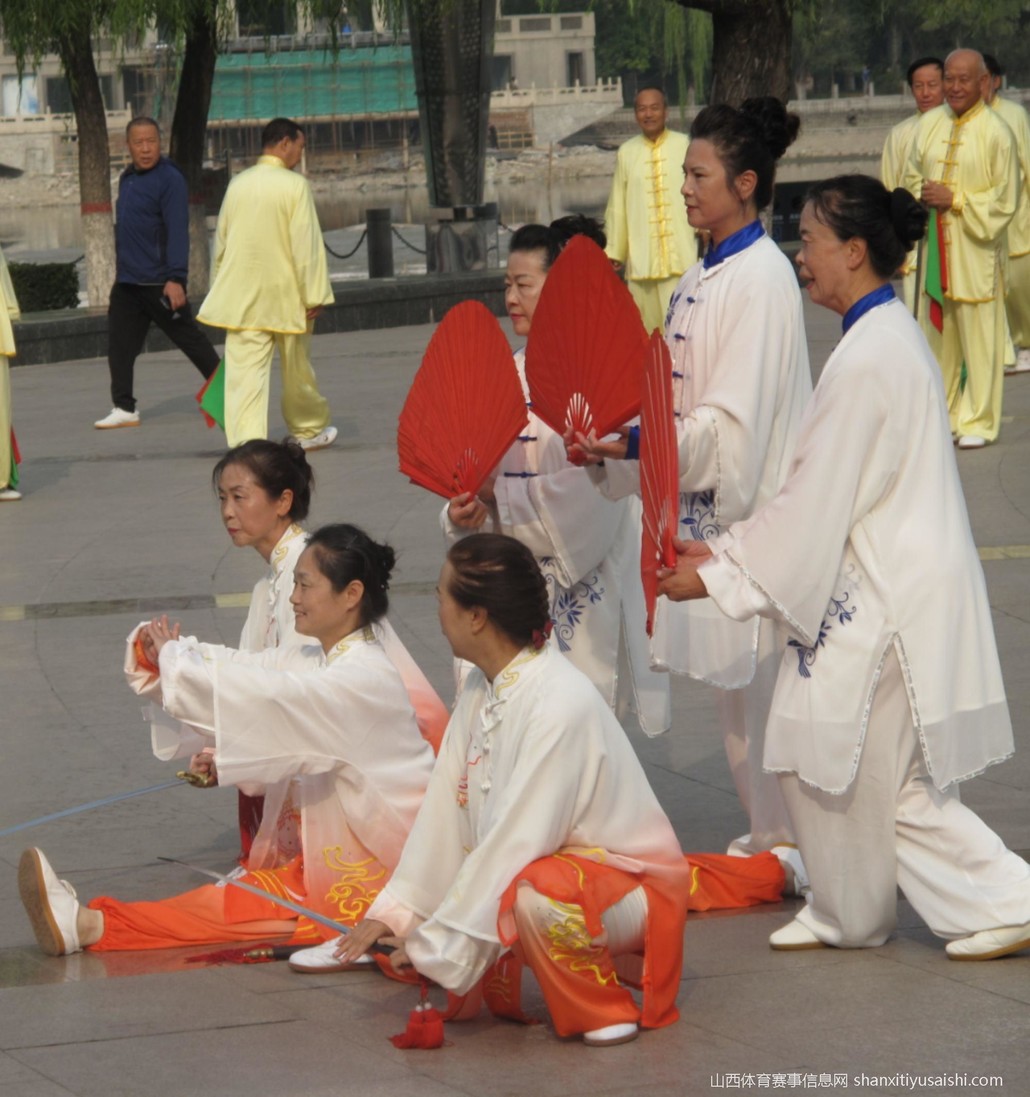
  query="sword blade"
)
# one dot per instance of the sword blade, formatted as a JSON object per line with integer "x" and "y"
{"x": 297, "y": 908}
{"x": 87, "y": 807}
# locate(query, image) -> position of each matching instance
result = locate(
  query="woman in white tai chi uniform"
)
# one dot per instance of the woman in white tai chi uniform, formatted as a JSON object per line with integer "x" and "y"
{"x": 327, "y": 728}
{"x": 740, "y": 384}
{"x": 264, "y": 493}
{"x": 890, "y": 692}
{"x": 540, "y": 840}
{"x": 587, "y": 547}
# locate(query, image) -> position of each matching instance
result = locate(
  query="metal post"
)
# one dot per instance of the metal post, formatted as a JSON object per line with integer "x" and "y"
{"x": 379, "y": 242}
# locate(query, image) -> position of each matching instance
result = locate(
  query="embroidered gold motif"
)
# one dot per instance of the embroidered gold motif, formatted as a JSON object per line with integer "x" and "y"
{"x": 510, "y": 675}
{"x": 351, "y": 894}
{"x": 572, "y": 946}
{"x": 365, "y": 635}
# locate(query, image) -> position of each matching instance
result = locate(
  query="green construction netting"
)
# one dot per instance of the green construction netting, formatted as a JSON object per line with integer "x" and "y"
{"x": 312, "y": 83}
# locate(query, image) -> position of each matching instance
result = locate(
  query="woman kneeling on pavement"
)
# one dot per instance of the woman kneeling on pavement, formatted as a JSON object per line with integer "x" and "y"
{"x": 540, "y": 841}
{"x": 325, "y": 731}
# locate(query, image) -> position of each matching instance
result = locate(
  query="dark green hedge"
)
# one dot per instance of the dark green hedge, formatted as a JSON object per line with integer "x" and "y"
{"x": 41, "y": 287}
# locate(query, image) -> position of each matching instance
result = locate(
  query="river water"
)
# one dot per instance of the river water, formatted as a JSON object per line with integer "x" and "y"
{"x": 58, "y": 228}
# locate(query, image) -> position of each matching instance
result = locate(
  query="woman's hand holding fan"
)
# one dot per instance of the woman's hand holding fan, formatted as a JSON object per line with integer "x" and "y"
{"x": 464, "y": 409}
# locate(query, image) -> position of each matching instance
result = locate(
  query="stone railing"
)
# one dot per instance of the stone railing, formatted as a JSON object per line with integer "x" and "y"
{"x": 604, "y": 91}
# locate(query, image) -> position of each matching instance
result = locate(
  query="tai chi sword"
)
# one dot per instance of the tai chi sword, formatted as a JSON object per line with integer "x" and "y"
{"x": 297, "y": 908}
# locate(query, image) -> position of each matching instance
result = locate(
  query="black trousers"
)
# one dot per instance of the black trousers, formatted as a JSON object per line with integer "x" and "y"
{"x": 131, "y": 311}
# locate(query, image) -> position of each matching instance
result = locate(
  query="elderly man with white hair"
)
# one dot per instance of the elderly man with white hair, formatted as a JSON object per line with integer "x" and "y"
{"x": 964, "y": 166}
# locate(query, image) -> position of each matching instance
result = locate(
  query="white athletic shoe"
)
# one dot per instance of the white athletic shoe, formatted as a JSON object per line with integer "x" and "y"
{"x": 9, "y": 495}
{"x": 989, "y": 944}
{"x": 796, "y": 882}
{"x": 320, "y": 959}
{"x": 320, "y": 441}
{"x": 611, "y": 1035}
{"x": 794, "y": 937}
{"x": 971, "y": 441}
{"x": 1022, "y": 363}
{"x": 51, "y": 904}
{"x": 118, "y": 417}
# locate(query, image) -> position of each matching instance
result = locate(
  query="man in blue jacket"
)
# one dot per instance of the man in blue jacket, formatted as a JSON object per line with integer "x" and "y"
{"x": 152, "y": 246}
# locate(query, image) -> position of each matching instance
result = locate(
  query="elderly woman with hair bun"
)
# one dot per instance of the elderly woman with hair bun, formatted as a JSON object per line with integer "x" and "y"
{"x": 540, "y": 841}
{"x": 326, "y": 730}
{"x": 890, "y": 691}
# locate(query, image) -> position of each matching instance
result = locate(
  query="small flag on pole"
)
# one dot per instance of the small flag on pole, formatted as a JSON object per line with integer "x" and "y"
{"x": 936, "y": 283}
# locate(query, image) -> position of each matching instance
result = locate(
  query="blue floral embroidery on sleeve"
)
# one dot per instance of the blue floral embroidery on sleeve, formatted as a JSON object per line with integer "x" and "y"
{"x": 837, "y": 611}
{"x": 698, "y": 515}
{"x": 569, "y": 604}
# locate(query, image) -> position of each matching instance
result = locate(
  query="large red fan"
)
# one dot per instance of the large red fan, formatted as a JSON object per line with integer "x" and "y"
{"x": 465, "y": 406}
{"x": 659, "y": 471}
{"x": 587, "y": 345}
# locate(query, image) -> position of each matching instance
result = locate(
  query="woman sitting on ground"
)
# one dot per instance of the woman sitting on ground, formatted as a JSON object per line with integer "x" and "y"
{"x": 326, "y": 732}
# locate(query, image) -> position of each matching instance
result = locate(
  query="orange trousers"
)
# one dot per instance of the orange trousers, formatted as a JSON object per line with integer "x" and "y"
{"x": 559, "y": 905}
{"x": 211, "y": 915}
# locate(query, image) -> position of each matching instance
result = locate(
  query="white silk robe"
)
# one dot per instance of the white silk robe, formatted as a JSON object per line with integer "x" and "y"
{"x": 867, "y": 547}
{"x": 741, "y": 380}
{"x": 270, "y": 619}
{"x": 588, "y": 549}
{"x": 532, "y": 764}
{"x": 336, "y": 732}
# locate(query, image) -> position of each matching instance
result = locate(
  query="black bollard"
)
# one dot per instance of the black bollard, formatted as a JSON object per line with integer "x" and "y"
{"x": 380, "y": 243}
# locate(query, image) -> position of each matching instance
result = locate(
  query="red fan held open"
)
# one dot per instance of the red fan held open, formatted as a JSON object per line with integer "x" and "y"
{"x": 586, "y": 348}
{"x": 659, "y": 471}
{"x": 465, "y": 406}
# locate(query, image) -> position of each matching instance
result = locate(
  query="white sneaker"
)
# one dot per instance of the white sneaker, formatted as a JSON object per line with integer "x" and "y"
{"x": 611, "y": 1035}
{"x": 9, "y": 495}
{"x": 320, "y": 441}
{"x": 118, "y": 417}
{"x": 50, "y": 904}
{"x": 320, "y": 959}
{"x": 971, "y": 441}
{"x": 989, "y": 944}
{"x": 794, "y": 937}
{"x": 1022, "y": 364}
{"x": 796, "y": 877}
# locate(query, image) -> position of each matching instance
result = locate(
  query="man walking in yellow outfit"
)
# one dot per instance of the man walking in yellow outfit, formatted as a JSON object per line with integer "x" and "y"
{"x": 964, "y": 166}
{"x": 645, "y": 222}
{"x": 270, "y": 282}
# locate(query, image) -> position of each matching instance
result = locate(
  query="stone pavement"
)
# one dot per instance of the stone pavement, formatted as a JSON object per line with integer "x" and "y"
{"x": 117, "y": 525}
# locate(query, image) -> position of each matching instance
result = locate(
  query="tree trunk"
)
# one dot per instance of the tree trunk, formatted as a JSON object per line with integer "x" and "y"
{"x": 189, "y": 127}
{"x": 451, "y": 44}
{"x": 750, "y": 48}
{"x": 76, "y": 52}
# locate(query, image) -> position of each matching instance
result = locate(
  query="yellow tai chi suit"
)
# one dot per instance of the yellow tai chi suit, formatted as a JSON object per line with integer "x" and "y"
{"x": 896, "y": 151}
{"x": 269, "y": 269}
{"x": 646, "y": 221}
{"x": 975, "y": 157}
{"x": 8, "y": 311}
{"x": 1017, "y": 300}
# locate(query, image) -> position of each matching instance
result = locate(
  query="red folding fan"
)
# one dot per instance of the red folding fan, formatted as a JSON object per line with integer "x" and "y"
{"x": 659, "y": 471}
{"x": 465, "y": 406}
{"x": 587, "y": 345}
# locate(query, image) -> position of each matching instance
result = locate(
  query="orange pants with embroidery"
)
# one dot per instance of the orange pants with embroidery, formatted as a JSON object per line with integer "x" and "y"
{"x": 560, "y": 936}
{"x": 211, "y": 915}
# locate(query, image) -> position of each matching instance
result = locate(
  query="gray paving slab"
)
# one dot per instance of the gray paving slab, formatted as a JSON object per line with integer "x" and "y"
{"x": 115, "y": 525}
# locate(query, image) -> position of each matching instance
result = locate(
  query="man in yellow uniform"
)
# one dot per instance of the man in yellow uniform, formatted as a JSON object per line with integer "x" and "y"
{"x": 1017, "y": 299}
{"x": 964, "y": 166}
{"x": 9, "y": 311}
{"x": 270, "y": 282}
{"x": 645, "y": 222}
{"x": 926, "y": 81}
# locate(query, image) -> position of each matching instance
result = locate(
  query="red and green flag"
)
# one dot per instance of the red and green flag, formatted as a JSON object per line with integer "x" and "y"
{"x": 936, "y": 279}
{"x": 12, "y": 473}
{"x": 211, "y": 398}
